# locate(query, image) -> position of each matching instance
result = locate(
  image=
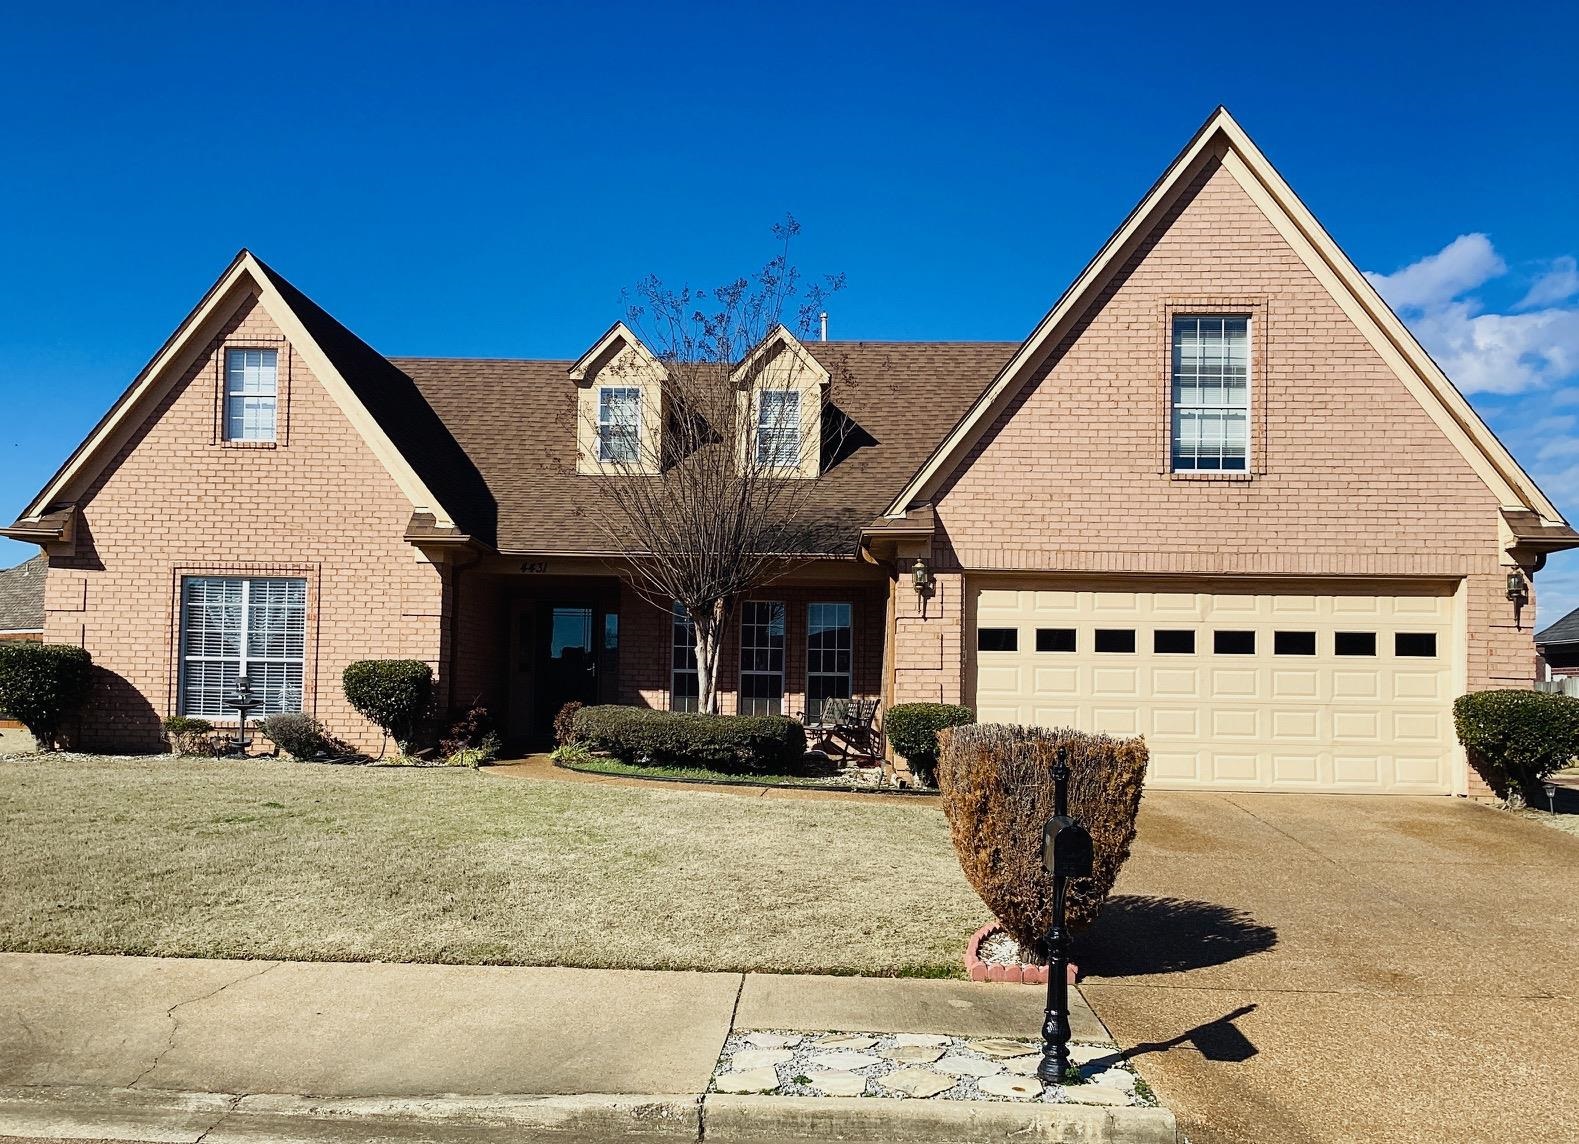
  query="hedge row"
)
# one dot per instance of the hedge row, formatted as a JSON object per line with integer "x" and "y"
{"x": 641, "y": 736}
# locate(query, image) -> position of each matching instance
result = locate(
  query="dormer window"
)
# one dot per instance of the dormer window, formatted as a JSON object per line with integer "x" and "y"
{"x": 778, "y": 428}
{"x": 619, "y": 423}
{"x": 251, "y": 394}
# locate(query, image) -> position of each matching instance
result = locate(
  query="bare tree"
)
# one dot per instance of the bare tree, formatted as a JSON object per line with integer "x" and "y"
{"x": 705, "y": 441}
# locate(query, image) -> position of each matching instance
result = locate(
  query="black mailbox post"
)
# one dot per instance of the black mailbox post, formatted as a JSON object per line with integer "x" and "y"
{"x": 1066, "y": 854}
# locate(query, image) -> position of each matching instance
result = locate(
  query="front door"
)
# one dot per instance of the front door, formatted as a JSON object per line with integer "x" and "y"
{"x": 569, "y": 663}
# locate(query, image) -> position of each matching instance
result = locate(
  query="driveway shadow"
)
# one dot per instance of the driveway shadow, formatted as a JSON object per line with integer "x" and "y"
{"x": 1136, "y": 935}
{"x": 1218, "y": 1040}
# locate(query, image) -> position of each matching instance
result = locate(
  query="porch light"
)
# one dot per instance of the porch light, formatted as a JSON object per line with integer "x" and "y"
{"x": 1551, "y": 796}
{"x": 1518, "y": 590}
{"x": 921, "y": 576}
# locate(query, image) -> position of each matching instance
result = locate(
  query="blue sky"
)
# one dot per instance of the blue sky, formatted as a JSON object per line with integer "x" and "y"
{"x": 484, "y": 179}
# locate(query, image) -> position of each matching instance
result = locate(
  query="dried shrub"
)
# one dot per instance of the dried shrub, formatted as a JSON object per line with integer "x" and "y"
{"x": 997, "y": 786}
{"x": 565, "y": 723}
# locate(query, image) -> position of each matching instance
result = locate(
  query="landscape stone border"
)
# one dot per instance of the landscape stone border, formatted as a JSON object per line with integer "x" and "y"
{"x": 1023, "y": 973}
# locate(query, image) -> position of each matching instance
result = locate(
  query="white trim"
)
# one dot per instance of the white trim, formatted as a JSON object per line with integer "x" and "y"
{"x": 1222, "y": 314}
{"x": 1222, "y": 137}
{"x": 618, "y": 332}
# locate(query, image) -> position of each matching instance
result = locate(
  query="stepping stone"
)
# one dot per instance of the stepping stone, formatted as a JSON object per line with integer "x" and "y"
{"x": 967, "y": 1066}
{"x": 747, "y": 1059}
{"x": 773, "y": 1040}
{"x": 920, "y": 1040}
{"x": 997, "y": 1047}
{"x": 911, "y": 1054}
{"x": 1116, "y": 1078}
{"x": 917, "y": 1082}
{"x": 1095, "y": 1094}
{"x": 1023, "y": 1066}
{"x": 1013, "y": 1087}
{"x": 844, "y": 1041}
{"x": 841, "y": 1061}
{"x": 837, "y": 1083}
{"x": 1085, "y": 1054}
{"x": 749, "y": 1081}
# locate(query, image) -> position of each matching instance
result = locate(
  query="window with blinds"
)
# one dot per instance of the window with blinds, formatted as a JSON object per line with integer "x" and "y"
{"x": 1211, "y": 394}
{"x": 251, "y": 394}
{"x": 232, "y": 627}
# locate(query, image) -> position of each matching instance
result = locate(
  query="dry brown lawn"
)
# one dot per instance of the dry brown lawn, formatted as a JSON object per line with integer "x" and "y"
{"x": 269, "y": 859}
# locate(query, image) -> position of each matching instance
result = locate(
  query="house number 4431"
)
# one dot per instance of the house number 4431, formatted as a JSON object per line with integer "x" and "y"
{"x": 535, "y": 566}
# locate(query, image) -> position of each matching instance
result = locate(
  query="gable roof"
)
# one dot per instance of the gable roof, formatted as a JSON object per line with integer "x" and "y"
{"x": 22, "y": 596}
{"x": 516, "y": 421}
{"x": 1220, "y": 137}
{"x": 381, "y": 403}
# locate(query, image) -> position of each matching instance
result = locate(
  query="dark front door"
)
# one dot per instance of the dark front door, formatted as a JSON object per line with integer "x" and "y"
{"x": 568, "y": 667}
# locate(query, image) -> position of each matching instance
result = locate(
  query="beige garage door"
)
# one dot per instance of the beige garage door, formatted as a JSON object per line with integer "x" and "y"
{"x": 1332, "y": 690}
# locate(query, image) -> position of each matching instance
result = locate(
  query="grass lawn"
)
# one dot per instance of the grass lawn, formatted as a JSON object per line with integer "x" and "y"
{"x": 272, "y": 859}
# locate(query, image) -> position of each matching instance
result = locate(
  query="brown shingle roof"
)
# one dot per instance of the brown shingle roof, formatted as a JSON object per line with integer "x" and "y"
{"x": 516, "y": 422}
{"x": 22, "y": 596}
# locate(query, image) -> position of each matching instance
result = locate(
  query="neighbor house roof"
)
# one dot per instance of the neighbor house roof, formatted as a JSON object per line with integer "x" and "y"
{"x": 22, "y": 596}
{"x": 1564, "y": 631}
{"x": 516, "y": 421}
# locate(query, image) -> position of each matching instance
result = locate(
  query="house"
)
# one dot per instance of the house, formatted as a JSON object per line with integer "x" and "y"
{"x": 22, "y": 600}
{"x": 1219, "y": 497}
{"x": 1558, "y": 646}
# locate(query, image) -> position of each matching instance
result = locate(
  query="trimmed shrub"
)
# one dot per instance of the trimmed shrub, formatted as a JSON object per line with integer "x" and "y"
{"x": 997, "y": 785}
{"x": 392, "y": 693}
{"x": 469, "y": 732}
{"x": 294, "y": 732}
{"x": 41, "y": 684}
{"x": 1514, "y": 739}
{"x": 565, "y": 723}
{"x": 189, "y": 735}
{"x": 637, "y": 735}
{"x": 912, "y": 730}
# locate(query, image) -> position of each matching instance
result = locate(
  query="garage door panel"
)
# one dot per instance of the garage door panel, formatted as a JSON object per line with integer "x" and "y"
{"x": 1291, "y": 714}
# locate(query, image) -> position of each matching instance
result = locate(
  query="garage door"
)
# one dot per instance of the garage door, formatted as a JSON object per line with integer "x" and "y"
{"x": 1333, "y": 690}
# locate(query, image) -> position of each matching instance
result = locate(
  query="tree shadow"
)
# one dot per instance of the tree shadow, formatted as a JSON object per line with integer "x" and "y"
{"x": 1136, "y": 935}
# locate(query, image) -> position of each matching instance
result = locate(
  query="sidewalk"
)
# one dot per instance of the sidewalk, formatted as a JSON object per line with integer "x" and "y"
{"x": 172, "y": 1049}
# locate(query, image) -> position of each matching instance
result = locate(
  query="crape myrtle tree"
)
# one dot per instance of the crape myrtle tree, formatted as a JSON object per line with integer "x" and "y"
{"x": 706, "y": 472}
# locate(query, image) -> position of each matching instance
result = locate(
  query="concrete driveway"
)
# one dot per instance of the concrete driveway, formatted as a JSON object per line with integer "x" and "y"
{"x": 1299, "y": 968}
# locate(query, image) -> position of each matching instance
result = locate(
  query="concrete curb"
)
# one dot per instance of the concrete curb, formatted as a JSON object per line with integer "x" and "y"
{"x": 89, "y": 1113}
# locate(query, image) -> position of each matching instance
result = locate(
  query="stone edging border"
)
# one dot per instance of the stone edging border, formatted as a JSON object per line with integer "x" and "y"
{"x": 907, "y": 791}
{"x": 979, "y": 970}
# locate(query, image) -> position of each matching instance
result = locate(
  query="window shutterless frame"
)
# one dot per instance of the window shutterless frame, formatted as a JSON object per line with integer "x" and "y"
{"x": 233, "y": 626}
{"x": 251, "y": 394}
{"x": 1210, "y": 425}
{"x": 828, "y": 654}
{"x": 762, "y": 657}
{"x": 778, "y": 428}
{"x": 685, "y": 686}
{"x": 619, "y": 423}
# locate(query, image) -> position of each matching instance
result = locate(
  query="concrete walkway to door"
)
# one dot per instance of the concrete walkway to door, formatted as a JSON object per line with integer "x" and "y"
{"x": 1300, "y": 968}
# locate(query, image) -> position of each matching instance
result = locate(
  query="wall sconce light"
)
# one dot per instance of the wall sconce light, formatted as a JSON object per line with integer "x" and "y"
{"x": 921, "y": 576}
{"x": 1518, "y": 588}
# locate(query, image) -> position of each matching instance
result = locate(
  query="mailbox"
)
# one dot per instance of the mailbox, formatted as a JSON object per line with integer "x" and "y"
{"x": 1066, "y": 848}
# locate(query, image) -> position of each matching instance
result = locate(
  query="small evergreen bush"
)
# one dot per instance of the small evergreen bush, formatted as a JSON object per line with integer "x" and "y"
{"x": 42, "y": 684}
{"x": 1514, "y": 739}
{"x": 392, "y": 693}
{"x": 294, "y": 732}
{"x": 912, "y": 730}
{"x": 997, "y": 787}
{"x": 637, "y": 735}
{"x": 189, "y": 735}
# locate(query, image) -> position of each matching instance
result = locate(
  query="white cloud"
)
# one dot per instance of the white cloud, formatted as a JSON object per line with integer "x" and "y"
{"x": 1468, "y": 261}
{"x": 1558, "y": 284}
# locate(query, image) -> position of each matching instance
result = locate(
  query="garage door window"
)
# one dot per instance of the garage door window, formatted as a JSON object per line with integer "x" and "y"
{"x": 1353, "y": 643}
{"x": 1234, "y": 643}
{"x": 1293, "y": 643}
{"x": 1115, "y": 639}
{"x": 1170, "y": 642}
{"x": 1055, "y": 639}
{"x": 997, "y": 639}
{"x": 1421, "y": 644}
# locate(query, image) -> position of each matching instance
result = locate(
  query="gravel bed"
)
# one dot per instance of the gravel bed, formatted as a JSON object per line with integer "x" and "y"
{"x": 808, "y": 1055}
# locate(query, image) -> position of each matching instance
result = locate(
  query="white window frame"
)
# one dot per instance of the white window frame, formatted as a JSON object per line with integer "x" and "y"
{"x": 682, "y": 650}
{"x": 816, "y": 656}
{"x": 771, "y": 435}
{"x": 287, "y": 697}
{"x": 609, "y": 430}
{"x": 237, "y": 392}
{"x": 754, "y": 624}
{"x": 1222, "y": 408}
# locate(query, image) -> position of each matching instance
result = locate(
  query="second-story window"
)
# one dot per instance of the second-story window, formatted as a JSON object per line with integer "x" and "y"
{"x": 778, "y": 428}
{"x": 619, "y": 423}
{"x": 251, "y": 394}
{"x": 1211, "y": 393}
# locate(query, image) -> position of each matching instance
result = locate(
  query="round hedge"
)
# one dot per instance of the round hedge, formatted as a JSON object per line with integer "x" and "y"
{"x": 41, "y": 684}
{"x": 1515, "y": 738}
{"x": 392, "y": 693}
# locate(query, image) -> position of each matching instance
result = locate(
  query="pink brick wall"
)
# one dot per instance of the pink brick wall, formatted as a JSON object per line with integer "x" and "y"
{"x": 177, "y": 501}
